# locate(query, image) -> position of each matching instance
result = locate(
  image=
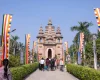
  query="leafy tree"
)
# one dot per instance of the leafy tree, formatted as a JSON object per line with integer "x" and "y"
{"x": 98, "y": 47}
{"x": 14, "y": 44}
{"x": 15, "y": 59}
{"x": 89, "y": 53}
{"x": 35, "y": 57}
{"x": 82, "y": 27}
{"x": 73, "y": 51}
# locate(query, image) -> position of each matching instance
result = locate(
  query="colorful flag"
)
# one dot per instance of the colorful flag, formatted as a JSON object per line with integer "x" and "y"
{"x": 7, "y": 18}
{"x": 97, "y": 14}
{"x": 66, "y": 45}
{"x": 34, "y": 46}
{"x": 27, "y": 43}
{"x": 81, "y": 42}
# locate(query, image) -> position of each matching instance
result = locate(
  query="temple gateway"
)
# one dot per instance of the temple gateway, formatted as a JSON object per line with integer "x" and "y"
{"x": 50, "y": 42}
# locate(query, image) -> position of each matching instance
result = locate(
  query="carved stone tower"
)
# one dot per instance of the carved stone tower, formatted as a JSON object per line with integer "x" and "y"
{"x": 49, "y": 42}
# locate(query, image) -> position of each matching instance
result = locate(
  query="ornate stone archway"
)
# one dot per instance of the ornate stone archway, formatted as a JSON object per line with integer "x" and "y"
{"x": 47, "y": 54}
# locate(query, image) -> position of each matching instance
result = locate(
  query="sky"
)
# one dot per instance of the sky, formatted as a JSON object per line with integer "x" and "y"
{"x": 29, "y": 15}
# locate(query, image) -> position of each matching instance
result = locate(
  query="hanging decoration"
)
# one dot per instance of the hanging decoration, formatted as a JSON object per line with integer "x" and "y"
{"x": 7, "y": 18}
{"x": 97, "y": 14}
{"x": 27, "y": 43}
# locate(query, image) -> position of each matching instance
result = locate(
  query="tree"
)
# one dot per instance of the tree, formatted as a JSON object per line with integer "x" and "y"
{"x": 18, "y": 46}
{"x": 98, "y": 47}
{"x": 14, "y": 44}
{"x": 89, "y": 53}
{"x": 82, "y": 27}
{"x": 73, "y": 51}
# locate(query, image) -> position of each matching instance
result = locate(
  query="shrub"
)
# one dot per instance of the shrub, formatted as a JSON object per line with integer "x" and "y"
{"x": 83, "y": 73}
{"x": 18, "y": 73}
{"x": 14, "y": 61}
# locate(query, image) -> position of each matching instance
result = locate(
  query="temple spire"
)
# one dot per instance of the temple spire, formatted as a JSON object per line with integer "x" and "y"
{"x": 50, "y": 22}
{"x": 41, "y": 30}
{"x": 58, "y": 30}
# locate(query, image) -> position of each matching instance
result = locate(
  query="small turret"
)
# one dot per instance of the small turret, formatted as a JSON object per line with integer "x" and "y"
{"x": 41, "y": 33}
{"x": 58, "y": 33}
{"x": 49, "y": 22}
{"x": 41, "y": 30}
{"x": 58, "y": 30}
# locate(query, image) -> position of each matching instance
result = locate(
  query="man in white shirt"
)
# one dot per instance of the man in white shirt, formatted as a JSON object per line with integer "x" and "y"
{"x": 61, "y": 64}
{"x": 42, "y": 64}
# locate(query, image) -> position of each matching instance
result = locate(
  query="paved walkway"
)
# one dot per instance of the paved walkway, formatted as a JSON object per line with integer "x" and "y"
{"x": 50, "y": 75}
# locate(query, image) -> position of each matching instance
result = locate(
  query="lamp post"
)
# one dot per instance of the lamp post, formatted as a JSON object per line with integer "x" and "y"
{"x": 10, "y": 33}
{"x": 14, "y": 42}
{"x": 94, "y": 51}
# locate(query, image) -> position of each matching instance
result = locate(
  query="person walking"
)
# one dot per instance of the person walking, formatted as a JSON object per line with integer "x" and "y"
{"x": 5, "y": 73}
{"x": 49, "y": 66}
{"x": 52, "y": 64}
{"x": 47, "y": 63}
{"x": 55, "y": 64}
{"x": 42, "y": 62}
{"x": 58, "y": 63}
{"x": 61, "y": 65}
{"x": 40, "y": 65}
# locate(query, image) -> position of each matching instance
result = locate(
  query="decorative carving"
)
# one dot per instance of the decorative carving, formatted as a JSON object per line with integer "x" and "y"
{"x": 51, "y": 39}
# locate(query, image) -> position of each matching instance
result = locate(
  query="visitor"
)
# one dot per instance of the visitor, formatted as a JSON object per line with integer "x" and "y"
{"x": 58, "y": 63}
{"x": 40, "y": 65}
{"x": 52, "y": 64}
{"x": 42, "y": 62}
{"x": 61, "y": 64}
{"x": 47, "y": 63}
{"x": 55, "y": 64}
{"x": 5, "y": 73}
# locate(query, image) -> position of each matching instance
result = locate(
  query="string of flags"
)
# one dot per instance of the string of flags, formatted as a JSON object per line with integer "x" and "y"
{"x": 97, "y": 14}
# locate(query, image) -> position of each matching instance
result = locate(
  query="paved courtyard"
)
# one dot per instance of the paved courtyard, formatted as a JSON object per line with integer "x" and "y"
{"x": 50, "y": 75}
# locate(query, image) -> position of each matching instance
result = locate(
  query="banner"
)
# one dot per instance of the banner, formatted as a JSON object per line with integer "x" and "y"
{"x": 97, "y": 14}
{"x": 81, "y": 45}
{"x": 81, "y": 42}
{"x": 66, "y": 45}
{"x": 27, "y": 43}
{"x": 34, "y": 46}
{"x": 7, "y": 18}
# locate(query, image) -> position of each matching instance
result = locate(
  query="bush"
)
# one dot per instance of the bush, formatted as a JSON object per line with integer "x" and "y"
{"x": 14, "y": 61}
{"x": 18, "y": 73}
{"x": 83, "y": 73}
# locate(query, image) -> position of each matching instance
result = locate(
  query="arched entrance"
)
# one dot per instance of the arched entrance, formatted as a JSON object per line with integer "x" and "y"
{"x": 49, "y": 53}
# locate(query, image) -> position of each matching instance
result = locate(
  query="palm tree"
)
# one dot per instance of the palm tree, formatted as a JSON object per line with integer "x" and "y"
{"x": 15, "y": 38}
{"x": 14, "y": 43}
{"x": 82, "y": 27}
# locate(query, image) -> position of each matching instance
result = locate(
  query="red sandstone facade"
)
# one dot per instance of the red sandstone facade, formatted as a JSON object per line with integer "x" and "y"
{"x": 50, "y": 42}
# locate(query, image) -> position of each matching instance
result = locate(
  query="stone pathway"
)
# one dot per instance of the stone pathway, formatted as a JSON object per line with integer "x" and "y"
{"x": 50, "y": 75}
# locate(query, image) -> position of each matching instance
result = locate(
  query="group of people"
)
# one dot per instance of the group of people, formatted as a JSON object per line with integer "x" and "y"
{"x": 51, "y": 64}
